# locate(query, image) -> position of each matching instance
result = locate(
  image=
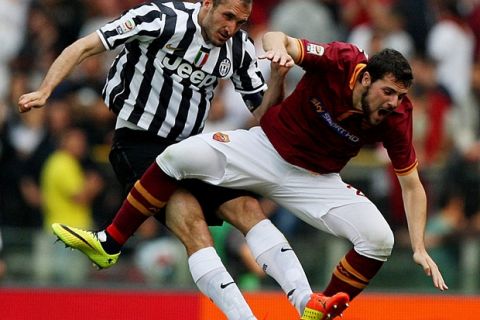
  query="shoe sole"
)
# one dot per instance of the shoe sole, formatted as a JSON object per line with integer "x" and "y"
{"x": 336, "y": 308}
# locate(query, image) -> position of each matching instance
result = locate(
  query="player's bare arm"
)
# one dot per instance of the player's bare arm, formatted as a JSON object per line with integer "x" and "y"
{"x": 60, "y": 69}
{"x": 276, "y": 89}
{"x": 281, "y": 49}
{"x": 415, "y": 202}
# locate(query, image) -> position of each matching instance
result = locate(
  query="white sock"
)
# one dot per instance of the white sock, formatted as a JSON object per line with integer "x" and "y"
{"x": 213, "y": 280}
{"x": 275, "y": 255}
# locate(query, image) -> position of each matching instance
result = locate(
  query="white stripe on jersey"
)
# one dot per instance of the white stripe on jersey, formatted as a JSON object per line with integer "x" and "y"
{"x": 173, "y": 107}
{"x": 156, "y": 83}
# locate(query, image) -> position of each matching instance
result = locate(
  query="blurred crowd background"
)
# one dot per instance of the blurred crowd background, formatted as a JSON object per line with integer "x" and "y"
{"x": 54, "y": 160}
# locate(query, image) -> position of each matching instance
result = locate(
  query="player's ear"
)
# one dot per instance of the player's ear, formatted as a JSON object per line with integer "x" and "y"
{"x": 207, "y": 3}
{"x": 366, "y": 79}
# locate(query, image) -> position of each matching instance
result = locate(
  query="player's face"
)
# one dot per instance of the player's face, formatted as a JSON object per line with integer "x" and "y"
{"x": 223, "y": 21}
{"x": 381, "y": 98}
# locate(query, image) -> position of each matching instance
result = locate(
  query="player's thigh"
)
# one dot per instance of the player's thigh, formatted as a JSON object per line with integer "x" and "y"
{"x": 240, "y": 160}
{"x": 222, "y": 204}
{"x": 364, "y": 226}
{"x": 192, "y": 158}
{"x": 329, "y": 204}
{"x": 310, "y": 196}
{"x": 131, "y": 157}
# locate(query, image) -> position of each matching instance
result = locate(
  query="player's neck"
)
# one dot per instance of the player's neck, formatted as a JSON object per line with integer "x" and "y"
{"x": 357, "y": 93}
{"x": 201, "y": 20}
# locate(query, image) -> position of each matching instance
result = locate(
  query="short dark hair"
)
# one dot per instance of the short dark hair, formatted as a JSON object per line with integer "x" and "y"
{"x": 217, "y": 2}
{"x": 390, "y": 61}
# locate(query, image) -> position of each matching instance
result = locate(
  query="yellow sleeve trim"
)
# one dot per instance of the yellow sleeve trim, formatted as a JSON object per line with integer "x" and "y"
{"x": 359, "y": 67}
{"x": 302, "y": 52}
{"x": 407, "y": 170}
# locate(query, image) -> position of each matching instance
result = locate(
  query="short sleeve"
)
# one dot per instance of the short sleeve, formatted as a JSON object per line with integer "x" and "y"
{"x": 143, "y": 23}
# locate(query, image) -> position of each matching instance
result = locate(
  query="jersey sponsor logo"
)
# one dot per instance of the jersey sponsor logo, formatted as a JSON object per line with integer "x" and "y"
{"x": 327, "y": 118}
{"x": 285, "y": 249}
{"x": 318, "y": 105}
{"x": 315, "y": 49}
{"x": 224, "y": 67}
{"x": 186, "y": 71}
{"x": 221, "y": 137}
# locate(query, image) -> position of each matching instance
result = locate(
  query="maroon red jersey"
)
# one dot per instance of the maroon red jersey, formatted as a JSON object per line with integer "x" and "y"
{"x": 318, "y": 129}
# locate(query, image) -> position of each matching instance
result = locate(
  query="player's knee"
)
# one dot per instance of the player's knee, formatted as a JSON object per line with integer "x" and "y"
{"x": 243, "y": 213}
{"x": 377, "y": 245}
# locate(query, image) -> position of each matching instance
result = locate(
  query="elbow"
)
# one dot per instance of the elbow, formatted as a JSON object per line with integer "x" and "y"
{"x": 258, "y": 113}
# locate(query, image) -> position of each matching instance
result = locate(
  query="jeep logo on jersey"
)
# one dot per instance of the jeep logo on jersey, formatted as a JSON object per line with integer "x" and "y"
{"x": 185, "y": 70}
{"x": 224, "y": 67}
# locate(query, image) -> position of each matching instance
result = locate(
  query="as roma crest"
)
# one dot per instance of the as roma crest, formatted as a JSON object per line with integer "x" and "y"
{"x": 221, "y": 137}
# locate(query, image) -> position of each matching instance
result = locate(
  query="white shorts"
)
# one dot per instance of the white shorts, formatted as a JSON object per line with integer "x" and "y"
{"x": 247, "y": 160}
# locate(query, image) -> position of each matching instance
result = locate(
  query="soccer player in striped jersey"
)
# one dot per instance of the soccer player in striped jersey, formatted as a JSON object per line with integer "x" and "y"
{"x": 160, "y": 87}
{"x": 344, "y": 101}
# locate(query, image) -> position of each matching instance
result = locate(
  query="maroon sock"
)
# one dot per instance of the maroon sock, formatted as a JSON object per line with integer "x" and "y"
{"x": 147, "y": 197}
{"x": 352, "y": 274}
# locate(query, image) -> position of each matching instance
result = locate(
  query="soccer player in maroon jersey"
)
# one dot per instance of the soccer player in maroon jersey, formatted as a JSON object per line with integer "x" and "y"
{"x": 160, "y": 86}
{"x": 343, "y": 102}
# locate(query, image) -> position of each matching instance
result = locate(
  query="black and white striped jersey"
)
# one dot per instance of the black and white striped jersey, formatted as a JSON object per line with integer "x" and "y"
{"x": 163, "y": 79}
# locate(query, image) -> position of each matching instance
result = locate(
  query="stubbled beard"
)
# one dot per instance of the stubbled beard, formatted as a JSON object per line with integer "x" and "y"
{"x": 365, "y": 105}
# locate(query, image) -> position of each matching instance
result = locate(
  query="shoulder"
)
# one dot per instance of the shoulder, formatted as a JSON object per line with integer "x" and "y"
{"x": 242, "y": 37}
{"x": 177, "y": 5}
{"x": 241, "y": 45}
{"x": 348, "y": 51}
{"x": 336, "y": 53}
{"x": 400, "y": 121}
{"x": 174, "y": 8}
{"x": 406, "y": 105}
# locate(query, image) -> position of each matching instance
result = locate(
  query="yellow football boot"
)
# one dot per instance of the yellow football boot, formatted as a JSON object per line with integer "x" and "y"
{"x": 87, "y": 242}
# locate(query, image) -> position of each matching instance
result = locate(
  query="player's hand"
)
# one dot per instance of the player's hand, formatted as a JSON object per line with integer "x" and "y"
{"x": 36, "y": 99}
{"x": 279, "y": 71}
{"x": 431, "y": 269}
{"x": 278, "y": 56}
